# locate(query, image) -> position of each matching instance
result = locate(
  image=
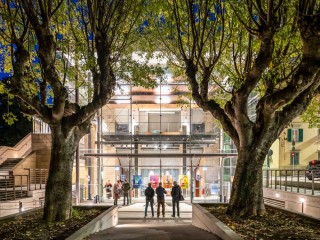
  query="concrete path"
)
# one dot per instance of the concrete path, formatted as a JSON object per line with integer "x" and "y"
{"x": 133, "y": 225}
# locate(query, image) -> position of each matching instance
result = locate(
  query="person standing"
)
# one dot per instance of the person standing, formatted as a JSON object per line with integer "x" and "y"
{"x": 149, "y": 193}
{"x": 108, "y": 188}
{"x": 160, "y": 191}
{"x": 116, "y": 192}
{"x": 176, "y": 194}
{"x": 125, "y": 190}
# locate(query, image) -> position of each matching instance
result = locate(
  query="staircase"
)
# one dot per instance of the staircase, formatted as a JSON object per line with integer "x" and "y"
{"x": 8, "y": 165}
{"x": 10, "y": 188}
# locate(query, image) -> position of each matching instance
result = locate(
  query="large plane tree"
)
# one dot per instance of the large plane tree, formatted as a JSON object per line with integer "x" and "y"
{"x": 232, "y": 51}
{"x": 56, "y": 46}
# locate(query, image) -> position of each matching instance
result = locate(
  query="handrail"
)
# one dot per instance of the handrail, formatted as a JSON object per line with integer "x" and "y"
{"x": 37, "y": 178}
{"x": 6, "y": 152}
{"x": 13, "y": 187}
{"x": 298, "y": 180}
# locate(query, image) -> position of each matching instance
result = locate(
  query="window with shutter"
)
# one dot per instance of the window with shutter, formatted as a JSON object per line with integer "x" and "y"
{"x": 295, "y": 134}
{"x": 300, "y": 135}
{"x": 289, "y": 135}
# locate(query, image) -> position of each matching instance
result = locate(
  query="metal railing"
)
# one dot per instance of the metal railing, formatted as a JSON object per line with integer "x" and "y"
{"x": 13, "y": 187}
{"x": 38, "y": 178}
{"x": 300, "y": 181}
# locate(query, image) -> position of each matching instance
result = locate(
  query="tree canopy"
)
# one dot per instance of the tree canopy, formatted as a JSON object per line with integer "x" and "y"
{"x": 254, "y": 65}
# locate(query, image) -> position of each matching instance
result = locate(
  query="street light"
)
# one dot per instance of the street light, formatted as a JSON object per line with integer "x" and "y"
{"x": 302, "y": 202}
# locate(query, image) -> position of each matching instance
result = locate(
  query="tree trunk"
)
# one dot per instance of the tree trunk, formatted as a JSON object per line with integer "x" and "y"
{"x": 247, "y": 190}
{"x": 58, "y": 198}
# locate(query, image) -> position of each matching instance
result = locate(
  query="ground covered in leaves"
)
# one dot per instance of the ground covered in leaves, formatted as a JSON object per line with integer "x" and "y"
{"x": 33, "y": 227}
{"x": 276, "y": 225}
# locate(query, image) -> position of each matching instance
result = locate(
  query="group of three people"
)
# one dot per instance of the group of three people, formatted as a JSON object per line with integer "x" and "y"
{"x": 119, "y": 188}
{"x": 176, "y": 194}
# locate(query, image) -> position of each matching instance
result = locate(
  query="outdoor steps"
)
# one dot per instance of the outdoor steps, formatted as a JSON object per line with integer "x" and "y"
{"x": 9, "y": 163}
{"x": 4, "y": 173}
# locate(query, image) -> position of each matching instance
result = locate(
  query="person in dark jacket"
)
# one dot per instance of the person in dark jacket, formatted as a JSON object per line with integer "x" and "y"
{"x": 160, "y": 191}
{"x": 149, "y": 193}
{"x": 125, "y": 189}
{"x": 176, "y": 194}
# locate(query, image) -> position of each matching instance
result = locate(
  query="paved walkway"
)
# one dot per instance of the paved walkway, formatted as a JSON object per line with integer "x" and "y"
{"x": 133, "y": 225}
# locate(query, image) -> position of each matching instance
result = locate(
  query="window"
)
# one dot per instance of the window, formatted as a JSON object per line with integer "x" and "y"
{"x": 294, "y": 158}
{"x": 295, "y": 134}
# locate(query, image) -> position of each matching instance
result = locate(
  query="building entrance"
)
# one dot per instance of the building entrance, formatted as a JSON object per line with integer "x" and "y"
{"x": 203, "y": 179}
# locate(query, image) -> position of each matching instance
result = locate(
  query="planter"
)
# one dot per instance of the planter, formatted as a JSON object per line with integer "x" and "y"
{"x": 105, "y": 220}
{"x": 29, "y": 223}
{"x": 201, "y": 218}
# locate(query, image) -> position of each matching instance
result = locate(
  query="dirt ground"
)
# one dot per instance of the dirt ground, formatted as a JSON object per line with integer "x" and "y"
{"x": 277, "y": 224}
{"x": 33, "y": 227}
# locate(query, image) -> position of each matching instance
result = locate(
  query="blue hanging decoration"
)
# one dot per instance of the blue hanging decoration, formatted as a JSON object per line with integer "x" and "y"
{"x": 218, "y": 9}
{"x": 91, "y": 36}
{"x": 14, "y": 46}
{"x": 59, "y": 36}
{"x": 2, "y": 26}
{"x": 195, "y": 8}
{"x": 36, "y": 60}
{"x": 145, "y": 23}
{"x": 1, "y": 63}
{"x": 212, "y": 17}
{"x": 140, "y": 29}
{"x": 162, "y": 19}
{"x": 255, "y": 17}
{"x": 12, "y": 5}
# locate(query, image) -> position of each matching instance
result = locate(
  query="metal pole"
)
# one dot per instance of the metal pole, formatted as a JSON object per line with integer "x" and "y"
{"x": 98, "y": 159}
{"x": 77, "y": 155}
{"x": 160, "y": 126}
{"x": 221, "y": 166}
{"x": 191, "y": 185}
{"x": 132, "y": 132}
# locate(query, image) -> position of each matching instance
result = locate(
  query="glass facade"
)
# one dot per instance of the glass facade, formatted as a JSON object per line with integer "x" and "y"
{"x": 156, "y": 135}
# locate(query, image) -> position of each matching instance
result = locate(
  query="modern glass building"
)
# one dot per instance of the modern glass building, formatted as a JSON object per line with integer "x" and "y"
{"x": 154, "y": 135}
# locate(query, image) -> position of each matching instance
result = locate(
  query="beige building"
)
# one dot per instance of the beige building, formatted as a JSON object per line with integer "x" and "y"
{"x": 297, "y": 145}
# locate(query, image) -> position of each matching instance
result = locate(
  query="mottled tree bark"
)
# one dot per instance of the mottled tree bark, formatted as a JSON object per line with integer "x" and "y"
{"x": 247, "y": 196}
{"x": 58, "y": 202}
